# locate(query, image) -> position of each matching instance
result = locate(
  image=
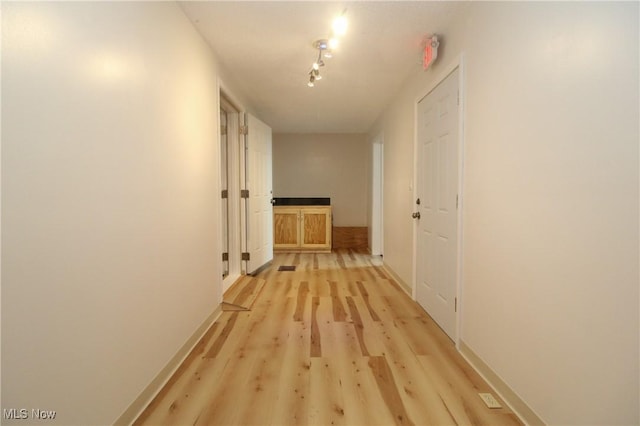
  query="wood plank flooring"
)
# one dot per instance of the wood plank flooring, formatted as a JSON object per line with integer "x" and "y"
{"x": 337, "y": 342}
{"x": 242, "y": 294}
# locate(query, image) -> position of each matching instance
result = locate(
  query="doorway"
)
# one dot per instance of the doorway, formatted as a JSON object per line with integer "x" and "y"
{"x": 437, "y": 214}
{"x": 230, "y": 225}
{"x": 377, "y": 179}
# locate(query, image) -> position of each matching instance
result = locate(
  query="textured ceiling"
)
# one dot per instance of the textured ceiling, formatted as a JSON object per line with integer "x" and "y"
{"x": 268, "y": 48}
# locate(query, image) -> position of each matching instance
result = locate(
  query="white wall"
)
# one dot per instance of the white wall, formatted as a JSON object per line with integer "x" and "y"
{"x": 324, "y": 165}
{"x": 109, "y": 219}
{"x": 550, "y": 205}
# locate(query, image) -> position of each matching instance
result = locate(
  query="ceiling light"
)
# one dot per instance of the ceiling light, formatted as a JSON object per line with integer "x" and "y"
{"x": 319, "y": 62}
{"x": 340, "y": 25}
{"x": 324, "y": 47}
{"x": 321, "y": 44}
{"x": 314, "y": 74}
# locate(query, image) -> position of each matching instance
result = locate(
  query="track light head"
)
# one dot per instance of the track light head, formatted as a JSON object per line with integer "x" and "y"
{"x": 340, "y": 25}
{"x": 322, "y": 44}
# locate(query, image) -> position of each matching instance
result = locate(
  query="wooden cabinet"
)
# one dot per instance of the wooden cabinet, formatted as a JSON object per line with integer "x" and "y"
{"x": 315, "y": 228}
{"x": 302, "y": 228}
{"x": 286, "y": 228}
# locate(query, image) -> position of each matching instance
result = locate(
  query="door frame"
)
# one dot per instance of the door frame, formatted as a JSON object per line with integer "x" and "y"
{"x": 377, "y": 196}
{"x": 234, "y": 144}
{"x": 458, "y": 63}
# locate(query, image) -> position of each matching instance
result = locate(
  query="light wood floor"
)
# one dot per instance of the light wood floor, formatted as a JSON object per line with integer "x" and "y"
{"x": 336, "y": 342}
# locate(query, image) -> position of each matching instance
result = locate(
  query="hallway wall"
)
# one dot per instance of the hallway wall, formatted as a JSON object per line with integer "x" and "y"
{"x": 324, "y": 165}
{"x": 109, "y": 225}
{"x": 550, "y": 200}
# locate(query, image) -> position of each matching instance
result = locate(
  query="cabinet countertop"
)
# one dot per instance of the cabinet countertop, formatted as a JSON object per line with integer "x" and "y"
{"x": 302, "y": 201}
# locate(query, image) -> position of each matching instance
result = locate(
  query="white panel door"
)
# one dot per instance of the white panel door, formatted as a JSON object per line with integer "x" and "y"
{"x": 259, "y": 183}
{"x": 437, "y": 191}
{"x": 224, "y": 192}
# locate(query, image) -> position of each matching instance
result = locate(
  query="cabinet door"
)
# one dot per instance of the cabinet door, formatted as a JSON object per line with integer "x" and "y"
{"x": 286, "y": 230}
{"x": 316, "y": 228}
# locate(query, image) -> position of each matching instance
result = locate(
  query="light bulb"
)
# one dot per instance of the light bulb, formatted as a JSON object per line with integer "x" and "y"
{"x": 340, "y": 25}
{"x": 318, "y": 77}
{"x": 316, "y": 66}
{"x": 310, "y": 83}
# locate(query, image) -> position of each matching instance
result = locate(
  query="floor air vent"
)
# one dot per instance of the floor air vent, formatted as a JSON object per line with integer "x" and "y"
{"x": 287, "y": 268}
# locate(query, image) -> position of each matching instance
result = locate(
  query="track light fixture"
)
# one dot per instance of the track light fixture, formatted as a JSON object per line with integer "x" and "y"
{"x": 325, "y": 47}
{"x": 314, "y": 74}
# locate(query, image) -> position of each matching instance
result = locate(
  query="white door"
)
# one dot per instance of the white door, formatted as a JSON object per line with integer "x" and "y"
{"x": 224, "y": 192}
{"x": 437, "y": 192}
{"x": 259, "y": 183}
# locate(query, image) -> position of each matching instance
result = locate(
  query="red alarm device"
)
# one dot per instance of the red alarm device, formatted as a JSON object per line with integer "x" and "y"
{"x": 430, "y": 51}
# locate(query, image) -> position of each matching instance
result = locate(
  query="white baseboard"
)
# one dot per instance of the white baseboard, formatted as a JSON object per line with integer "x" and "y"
{"x": 146, "y": 396}
{"x": 517, "y": 405}
{"x": 404, "y": 286}
{"x": 229, "y": 281}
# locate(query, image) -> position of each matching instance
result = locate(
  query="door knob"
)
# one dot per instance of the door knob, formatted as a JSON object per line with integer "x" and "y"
{"x": 416, "y": 215}
{"x": 273, "y": 202}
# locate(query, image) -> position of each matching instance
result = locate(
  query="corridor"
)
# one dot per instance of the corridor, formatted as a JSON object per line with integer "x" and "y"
{"x": 335, "y": 342}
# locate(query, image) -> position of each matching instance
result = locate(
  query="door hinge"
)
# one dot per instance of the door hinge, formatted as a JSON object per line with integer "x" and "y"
{"x": 225, "y": 257}
{"x": 223, "y": 130}
{"x": 455, "y": 304}
{"x": 246, "y": 256}
{"x": 244, "y": 130}
{"x": 225, "y": 193}
{"x": 456, "y": 201}
{"x": 458, "y": 98}
{"x": 244, "y": 193}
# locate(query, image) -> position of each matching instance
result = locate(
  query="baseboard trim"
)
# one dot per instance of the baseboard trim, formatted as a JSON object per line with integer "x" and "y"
{"x": 147, "y": 395}
{"x": 517, "y": 405}
{"x": 404, "y": 286}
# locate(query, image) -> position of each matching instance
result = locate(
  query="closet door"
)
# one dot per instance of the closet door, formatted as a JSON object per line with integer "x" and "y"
{"x": 259, "y": 210}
